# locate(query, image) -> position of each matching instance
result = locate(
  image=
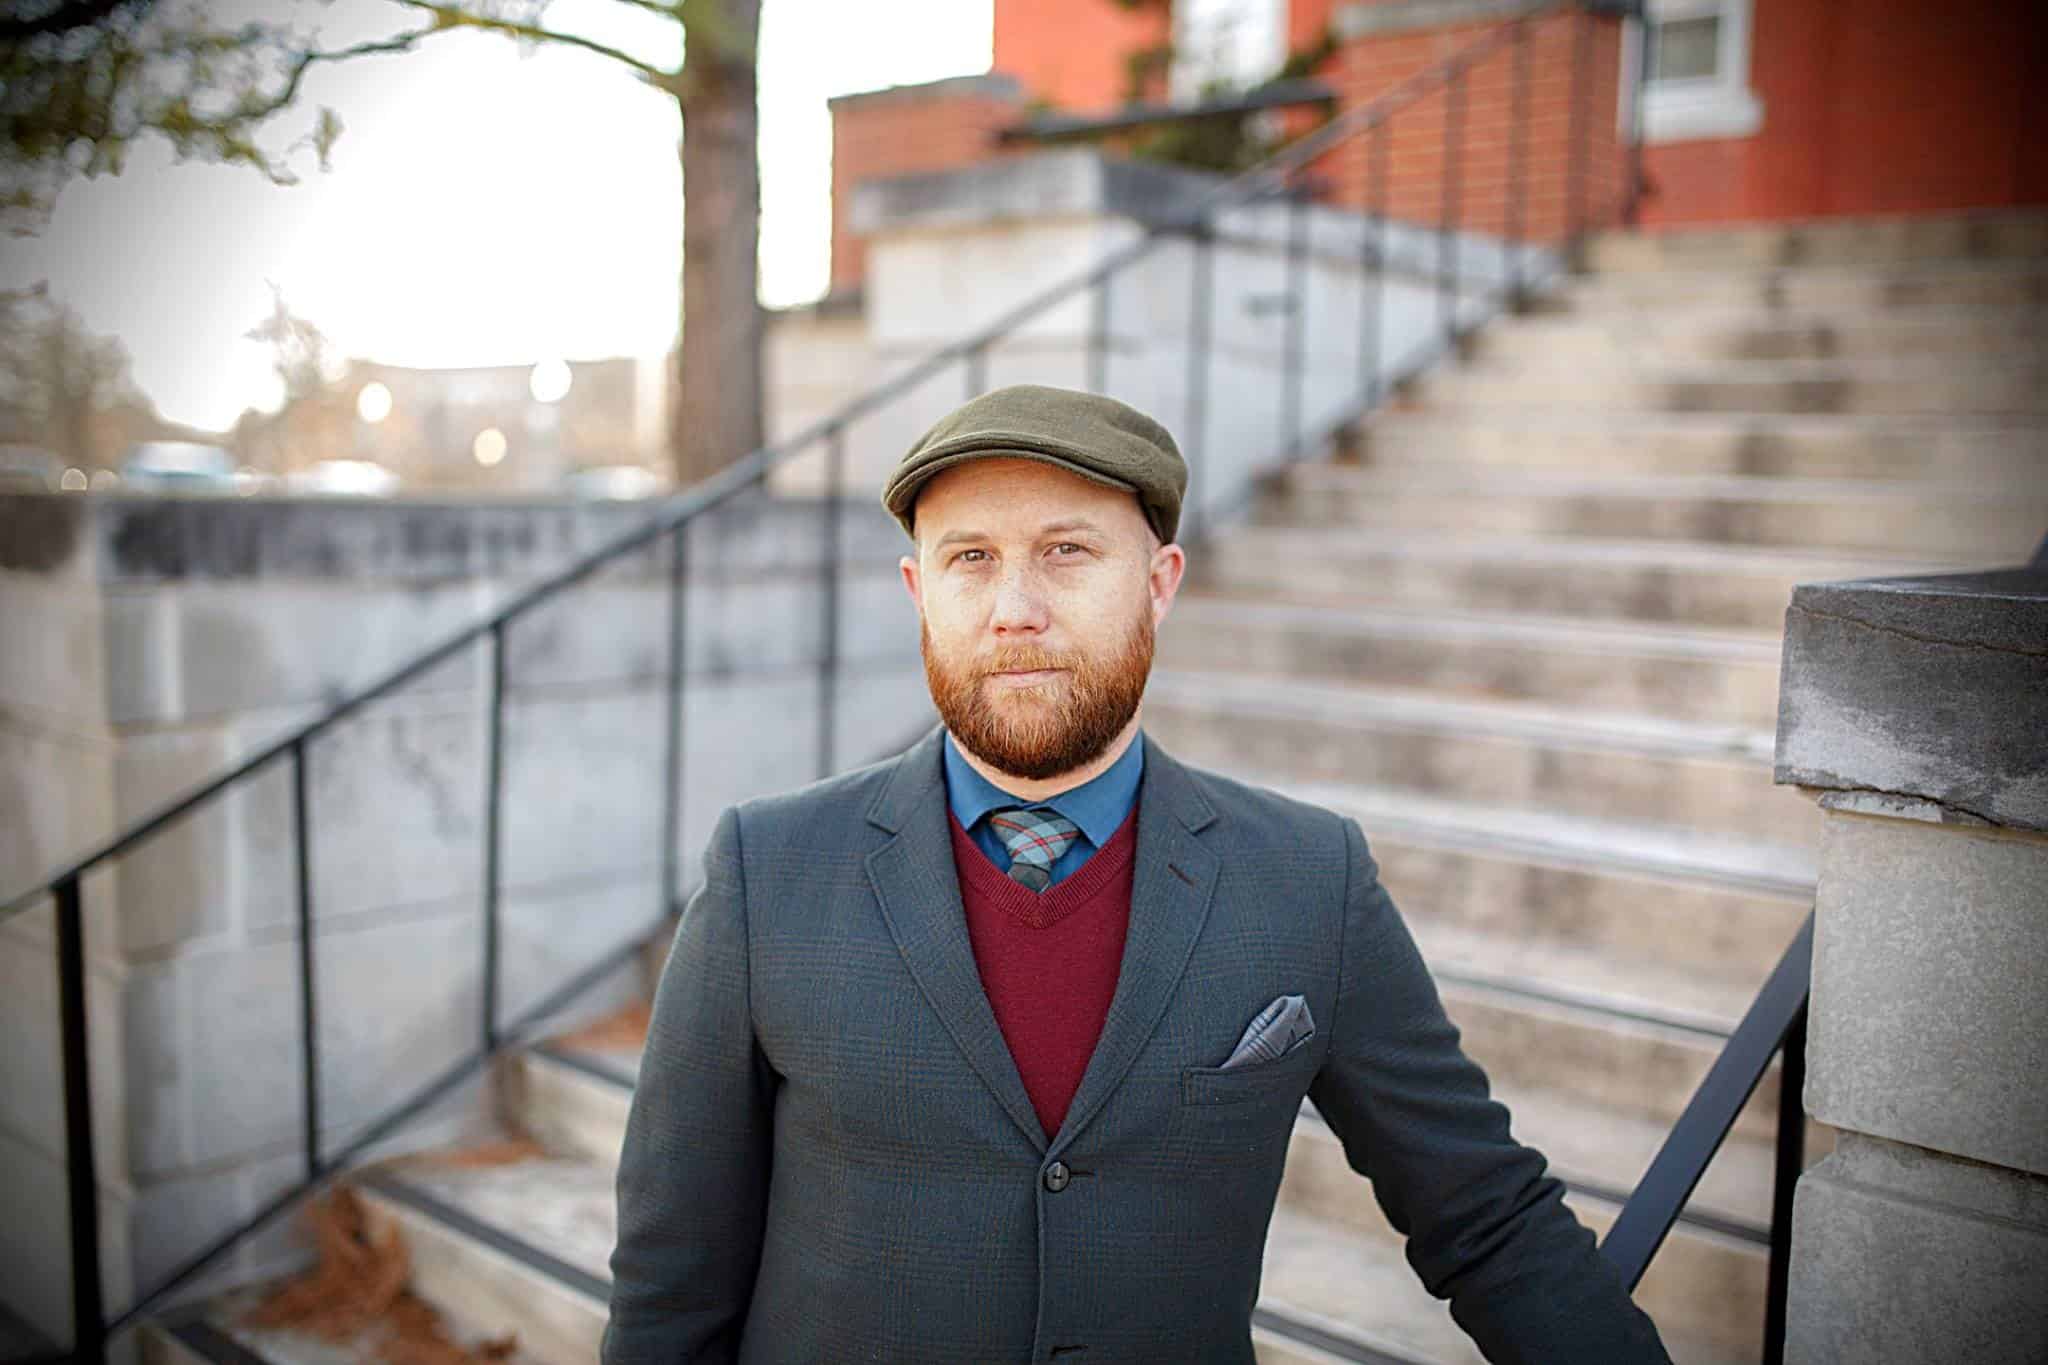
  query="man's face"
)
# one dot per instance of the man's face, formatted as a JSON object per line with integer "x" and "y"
{"x": 1038, "y": 593}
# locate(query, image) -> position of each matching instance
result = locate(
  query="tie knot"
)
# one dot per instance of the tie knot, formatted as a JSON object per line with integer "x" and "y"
{"x": 1035, "y": 836}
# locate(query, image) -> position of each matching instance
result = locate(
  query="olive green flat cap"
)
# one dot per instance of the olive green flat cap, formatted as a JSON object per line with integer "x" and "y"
{"x": 1093, "y": 436}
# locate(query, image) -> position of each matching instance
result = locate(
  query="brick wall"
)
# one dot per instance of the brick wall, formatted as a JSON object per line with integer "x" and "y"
{"x": 1367, "y": 67}
{"x": 904, "y": 130}
{"x": 1072, "y": 52}
{"x": 1873, "y": 106}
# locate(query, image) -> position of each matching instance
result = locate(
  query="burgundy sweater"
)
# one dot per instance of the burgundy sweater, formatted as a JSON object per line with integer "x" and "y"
{"x": 1049, "y": 959}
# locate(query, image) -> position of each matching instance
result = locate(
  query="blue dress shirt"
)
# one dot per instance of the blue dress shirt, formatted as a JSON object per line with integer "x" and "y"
{"x": 1099, "y": 805}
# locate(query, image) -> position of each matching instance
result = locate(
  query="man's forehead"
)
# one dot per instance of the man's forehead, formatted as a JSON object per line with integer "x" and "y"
{"x": 1012, "y": 496}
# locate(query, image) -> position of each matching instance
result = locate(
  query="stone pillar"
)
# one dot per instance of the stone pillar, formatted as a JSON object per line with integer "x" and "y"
{"x": 1917, "y": 711}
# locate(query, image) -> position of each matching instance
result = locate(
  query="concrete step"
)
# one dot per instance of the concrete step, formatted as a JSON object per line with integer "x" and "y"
{"x": 1796, "y": 289}
{"x": 1710, "y": 332}
{"x": 216, "y": 1332}
{"x": 524, "y": 1245}
{"x": 1353, "y": 1289}
{"x": 1884, "y": 516}
{"x": 1984, "y": 385}
{"x": 1990, "y": 234}
{"x": 1704, "y": 1290}
{"x": 1644, "y": 917}
{"x": 1591, "y": 1056}
{"x": 572, "y": 1100}
{"x": 1724, "y": 677}
{"x": 2009, "y": 453}
{"x": 1601, "y": 764}
{"x": 1736, "y": 587}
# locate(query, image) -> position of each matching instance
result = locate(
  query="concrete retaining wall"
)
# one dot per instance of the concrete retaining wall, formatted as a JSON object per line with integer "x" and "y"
{"x": 149, "y": 644}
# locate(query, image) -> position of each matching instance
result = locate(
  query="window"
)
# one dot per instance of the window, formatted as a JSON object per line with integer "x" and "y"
{"x": 1696, "y": 70}
{"x": 1231, "y": 44}
{"x": 1685, "y": 49}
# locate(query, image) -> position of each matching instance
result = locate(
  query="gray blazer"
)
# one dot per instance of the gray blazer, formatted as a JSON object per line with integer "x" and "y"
{"x": 830, "y": 1156}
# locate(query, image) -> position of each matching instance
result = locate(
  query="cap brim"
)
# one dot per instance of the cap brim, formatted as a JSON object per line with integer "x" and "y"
{"x": 901, "y": 496}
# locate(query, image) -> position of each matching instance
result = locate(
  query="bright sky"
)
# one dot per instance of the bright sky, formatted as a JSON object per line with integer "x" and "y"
{"x": 483, "y": 208}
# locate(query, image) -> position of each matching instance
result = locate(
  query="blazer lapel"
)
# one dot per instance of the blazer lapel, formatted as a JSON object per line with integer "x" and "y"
{"x": 919, "y": 888}
{"x": 1171, "y": 884}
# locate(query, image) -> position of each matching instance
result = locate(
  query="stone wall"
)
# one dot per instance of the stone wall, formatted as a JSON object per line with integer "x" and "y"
{"x": 1916, "y": 710}
{"x": 146, "y": 645}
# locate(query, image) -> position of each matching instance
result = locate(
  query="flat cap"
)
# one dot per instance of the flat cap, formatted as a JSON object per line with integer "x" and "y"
{"x": 1094, "y": 436}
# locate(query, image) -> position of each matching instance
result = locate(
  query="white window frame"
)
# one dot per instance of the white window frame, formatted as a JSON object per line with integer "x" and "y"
{"x": 1686, "y": 110}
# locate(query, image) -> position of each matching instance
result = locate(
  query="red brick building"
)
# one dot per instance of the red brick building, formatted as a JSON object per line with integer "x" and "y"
{"x": 1752, "y": 110}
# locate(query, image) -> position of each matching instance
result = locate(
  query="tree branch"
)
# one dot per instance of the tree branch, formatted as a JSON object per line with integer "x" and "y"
{"x": 304, "y": 61}
{"x": 448, "y": 16}
{"x": 666, "y": 11}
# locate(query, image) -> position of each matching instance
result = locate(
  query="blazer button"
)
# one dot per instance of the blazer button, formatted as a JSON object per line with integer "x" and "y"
{"x": 1056, "y": 1176}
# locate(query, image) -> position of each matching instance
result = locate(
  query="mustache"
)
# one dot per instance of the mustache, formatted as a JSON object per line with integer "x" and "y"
{"x": 1025, "y": 661}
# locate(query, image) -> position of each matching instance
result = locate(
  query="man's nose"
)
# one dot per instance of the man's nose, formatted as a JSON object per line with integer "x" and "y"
{"x": 1019, "y": 605}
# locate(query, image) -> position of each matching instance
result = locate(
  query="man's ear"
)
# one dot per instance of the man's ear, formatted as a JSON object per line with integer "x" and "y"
{"x": 908, "y": 566}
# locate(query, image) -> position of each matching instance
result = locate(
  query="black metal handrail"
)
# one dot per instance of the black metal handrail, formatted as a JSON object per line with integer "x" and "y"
{"x": 1286, "y": 175}
{"x": 1775, "y": 1023}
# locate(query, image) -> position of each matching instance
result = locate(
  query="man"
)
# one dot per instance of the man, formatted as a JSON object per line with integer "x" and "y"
{"x": 990, "y": 1052}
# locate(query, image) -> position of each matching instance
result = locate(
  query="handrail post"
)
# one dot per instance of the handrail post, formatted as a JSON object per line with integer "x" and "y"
{"x": 494, "y": 793}
{"x": 1448, "y": 211}
{"x": 1637, "y": 20}
{"x": 1790, "y": 1161}
{"x": 1201, "y": 306}
{"x": 88, "y": 1313}
{"x": 1518, "y": 180}
{"x": 1098, "y": 335}
{"x": 828, "y": 649}
{"x": 309, "y": 1026}
{"x": 1294, "y": 359}
{"x": 672, "y": 768}
{"x": 1373, "y": 254}
{"x": 1581, "y": 126}
{"x": 977, "y": 372}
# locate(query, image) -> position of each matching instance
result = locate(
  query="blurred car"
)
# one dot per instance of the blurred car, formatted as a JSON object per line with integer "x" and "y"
{"x": 617, "y": 481}
{"x": 178, "y": 467}
{"x": 29, "y": 469}
{"x": 343, "y": 478}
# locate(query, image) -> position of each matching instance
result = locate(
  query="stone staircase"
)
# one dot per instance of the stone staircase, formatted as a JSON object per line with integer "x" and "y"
{"x": 1525, "y": 628}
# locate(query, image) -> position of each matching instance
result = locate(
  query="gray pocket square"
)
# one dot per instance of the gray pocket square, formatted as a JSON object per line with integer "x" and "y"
{"x": 1279, "y": 1028}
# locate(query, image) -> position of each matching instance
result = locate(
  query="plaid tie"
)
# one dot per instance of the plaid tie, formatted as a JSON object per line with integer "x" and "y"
{"x": 1035, "y": 836}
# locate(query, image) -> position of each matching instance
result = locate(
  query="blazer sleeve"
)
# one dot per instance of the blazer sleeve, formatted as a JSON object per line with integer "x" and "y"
{"x": 1486, "y": 1228}
{"x": 693, "y": 1171}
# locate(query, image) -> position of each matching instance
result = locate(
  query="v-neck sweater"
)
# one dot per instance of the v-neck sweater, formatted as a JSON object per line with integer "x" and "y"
{"x": 1049, "y": 959}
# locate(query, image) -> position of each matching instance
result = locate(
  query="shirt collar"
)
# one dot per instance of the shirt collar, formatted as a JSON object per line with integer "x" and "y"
{"x": 1099, "y": 805}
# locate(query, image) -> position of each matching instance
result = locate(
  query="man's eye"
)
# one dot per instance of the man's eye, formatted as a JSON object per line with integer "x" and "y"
{"x": 1067, "y": 545}
{"x": 964, "y": 553}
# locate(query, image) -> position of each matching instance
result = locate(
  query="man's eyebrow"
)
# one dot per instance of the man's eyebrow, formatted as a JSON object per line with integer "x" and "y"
{"x": 1050, "y": 528}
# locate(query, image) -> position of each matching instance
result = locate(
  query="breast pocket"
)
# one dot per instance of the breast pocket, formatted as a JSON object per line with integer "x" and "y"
{"x": 1270, "y": 1081}
{"x": 1239, "y": 1119}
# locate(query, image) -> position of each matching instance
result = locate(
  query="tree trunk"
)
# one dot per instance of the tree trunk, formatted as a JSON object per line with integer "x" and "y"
{"x": 718, "y": 415}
